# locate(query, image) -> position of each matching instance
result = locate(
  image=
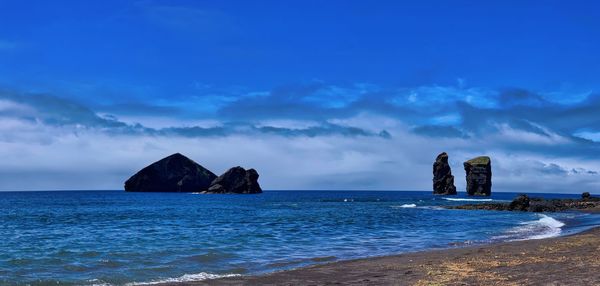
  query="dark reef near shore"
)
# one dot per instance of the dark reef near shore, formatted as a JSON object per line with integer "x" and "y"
{"x": 525, "y": 203}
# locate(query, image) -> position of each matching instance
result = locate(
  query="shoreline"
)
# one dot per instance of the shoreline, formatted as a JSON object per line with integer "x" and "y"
{"x": 566, "y": 259}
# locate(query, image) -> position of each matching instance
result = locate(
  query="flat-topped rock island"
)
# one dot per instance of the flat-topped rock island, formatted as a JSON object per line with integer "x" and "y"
{"x": 479, "y": 176}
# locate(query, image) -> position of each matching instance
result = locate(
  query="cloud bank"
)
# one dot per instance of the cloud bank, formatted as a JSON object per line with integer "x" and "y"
{"x": 306, "y": 136}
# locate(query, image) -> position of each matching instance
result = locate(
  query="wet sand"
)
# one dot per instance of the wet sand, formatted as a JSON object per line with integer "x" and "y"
{"x": 566, "y": 260}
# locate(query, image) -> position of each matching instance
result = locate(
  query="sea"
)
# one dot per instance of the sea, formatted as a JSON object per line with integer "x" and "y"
{"x": 120, "y": 238}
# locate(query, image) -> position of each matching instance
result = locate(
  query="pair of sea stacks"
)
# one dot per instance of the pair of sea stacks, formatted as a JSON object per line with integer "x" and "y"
{"x": 478, "y": 174}
{"x": 177, "y": 173}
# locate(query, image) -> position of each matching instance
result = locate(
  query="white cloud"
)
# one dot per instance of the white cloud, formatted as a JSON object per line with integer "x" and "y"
{"x": 512, "y": 135}
{"x": 594, "y": 136}
{"x": 11, "y": 106}
{"x": 53, "y": 143}
{"x": 67, "y": 158}
{"x": 439, "y": 96}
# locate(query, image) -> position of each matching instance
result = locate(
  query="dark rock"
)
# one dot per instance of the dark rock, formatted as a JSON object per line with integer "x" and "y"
{"x": 541, "y": 205}
{"x": 538, "y": 208}
{"x": 175, "y": 173}
{"x": 520, "y": 203}
{"x": 482, "y": 206}
{"x": 585, "y": 196}
{"x": 524, "y": 203}
{"x": 479, "y": 176}
{"x": 236, "y": 180}
{"x": 443, "y": 180}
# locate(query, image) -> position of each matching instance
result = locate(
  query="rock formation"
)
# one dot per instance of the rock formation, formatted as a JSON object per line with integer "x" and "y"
{"x": 236, "y": 180}
{"x": 175, "y": 173}
{"x": 479, "y": 176}
{"x": 585, "y": 196}
{"x": 525, "y": 203}
{"x": 520, "y": 203}
{"x": 443, "y": 180}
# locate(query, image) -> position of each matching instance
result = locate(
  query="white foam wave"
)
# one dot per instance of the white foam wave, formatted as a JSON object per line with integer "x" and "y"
{"x": 100, "y": 284}
{"x": 467, "y": 200}
{"x": 414, "y": 206}
{"x": 185, "y": 278}
{"x": 545, "y": 227}
{"x": 408, "y": 206}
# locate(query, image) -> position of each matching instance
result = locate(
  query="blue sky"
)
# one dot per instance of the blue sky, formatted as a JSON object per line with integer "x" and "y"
{"x": 314, "y": 94}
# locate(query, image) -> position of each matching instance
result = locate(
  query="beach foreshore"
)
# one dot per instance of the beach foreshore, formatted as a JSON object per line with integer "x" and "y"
{"x": 564, "y": 260}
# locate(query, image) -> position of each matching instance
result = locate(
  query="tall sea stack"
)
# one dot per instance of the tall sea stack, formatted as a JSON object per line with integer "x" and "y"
{"x": 443, "y": 180}
{"x": 479, "y": 176}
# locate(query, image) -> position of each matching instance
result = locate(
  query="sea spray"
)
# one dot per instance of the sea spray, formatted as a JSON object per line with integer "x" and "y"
{"x": 408, "y": 206}
{"x": 184, "y": 278}
{"x": 544, "y": 227}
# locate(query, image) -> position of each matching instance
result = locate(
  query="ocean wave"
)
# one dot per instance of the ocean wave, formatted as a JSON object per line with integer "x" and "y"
{"x": 414, "y": 206}
{"x": 408, "y": 206}
{"x": 210, "y": 257}
{"x": 97, "y": 282}
{"x": 185, "y": 278}
{"x": 467, "y": 200}
{"x": 351, "y": 200}
{"x": 544, "y": 227}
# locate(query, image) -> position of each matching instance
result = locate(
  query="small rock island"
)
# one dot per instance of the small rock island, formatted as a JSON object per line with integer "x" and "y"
{"x": 443, "y": 180}
{"x": 479, "y": 176}
{"x": 178, "y": 173}
{"x": 236, "y": 180}
{"x": 175, "y": 173}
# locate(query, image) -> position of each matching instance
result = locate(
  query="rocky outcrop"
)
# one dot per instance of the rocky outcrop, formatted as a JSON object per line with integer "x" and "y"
{"x": 520, "y": 203}
{"x": 479, "y": 176}
{"x": 525, "y": 203}
{"x": 236, "y": 180}
{"x": 586, "y": 196}
{"x": 175, "y": 173}
{"x": 443, "y": 180}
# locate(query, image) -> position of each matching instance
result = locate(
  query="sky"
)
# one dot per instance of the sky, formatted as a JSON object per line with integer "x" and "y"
{"x": 315, "y": 95}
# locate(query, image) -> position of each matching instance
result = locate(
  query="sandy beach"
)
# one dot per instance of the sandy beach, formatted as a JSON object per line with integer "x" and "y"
{"x": 566, "y": 260}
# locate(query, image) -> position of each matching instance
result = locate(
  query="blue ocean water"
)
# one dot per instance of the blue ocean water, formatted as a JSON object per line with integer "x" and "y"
{"x": 119, "y": 238}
